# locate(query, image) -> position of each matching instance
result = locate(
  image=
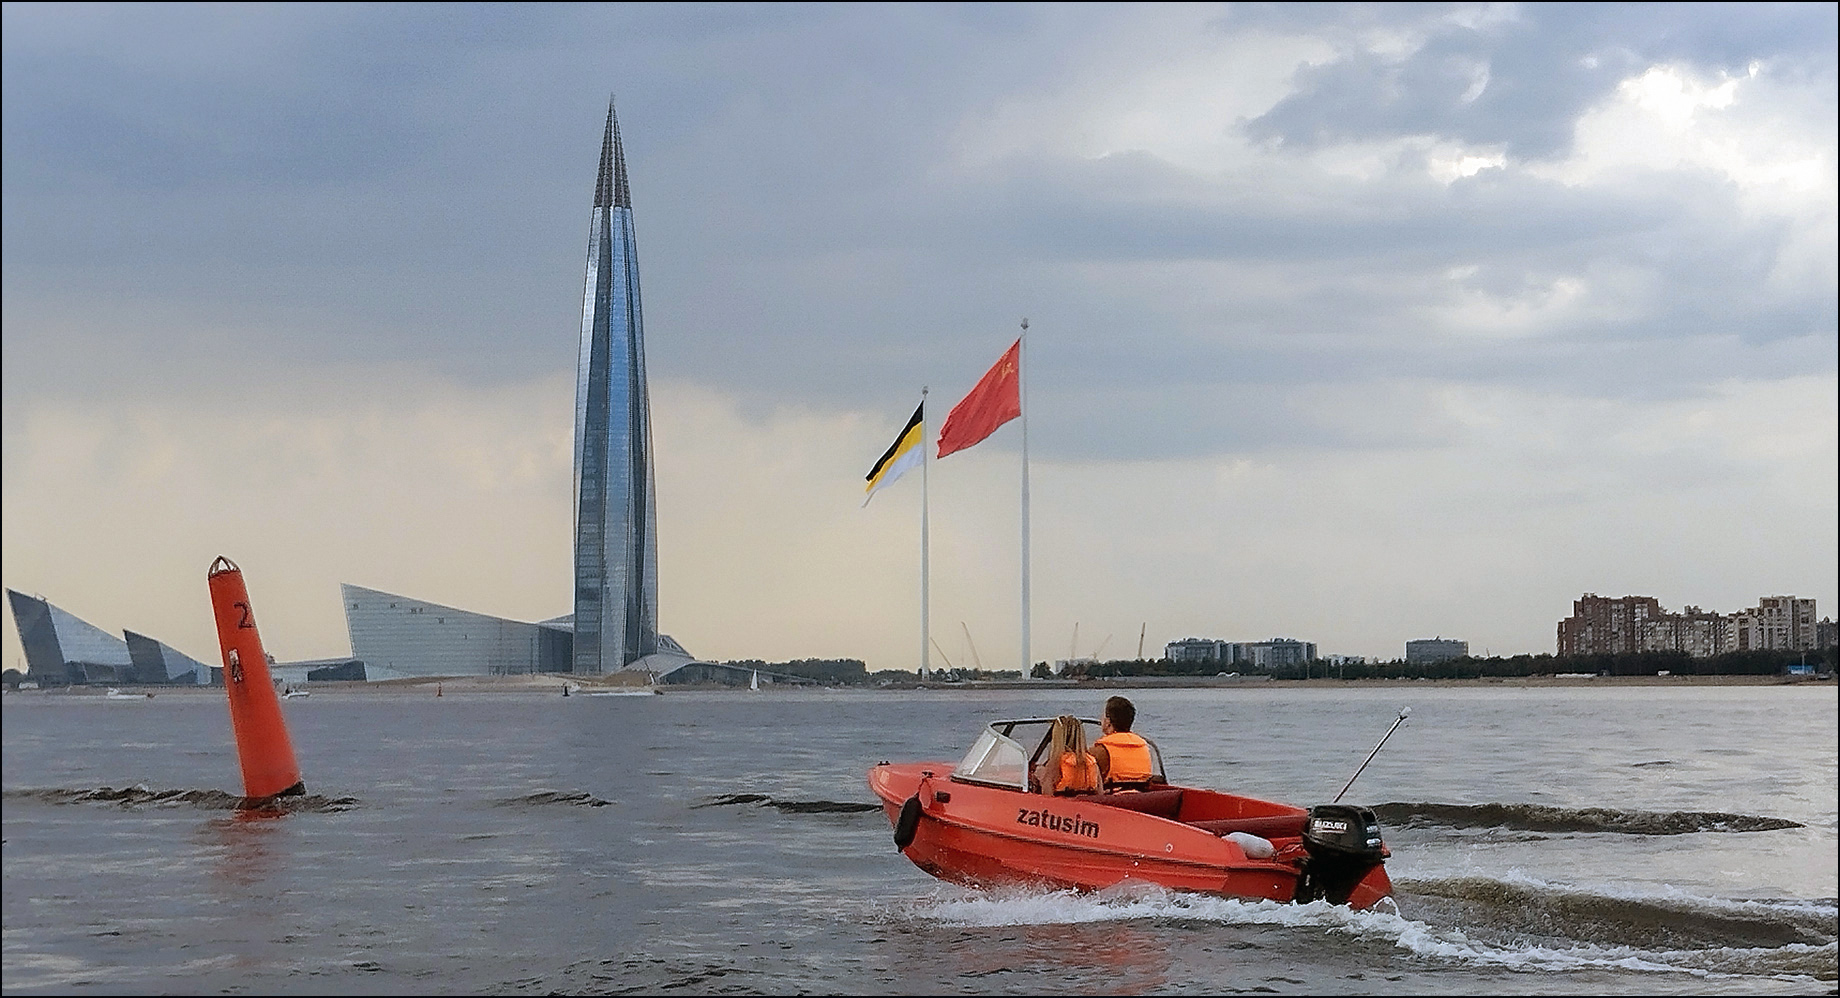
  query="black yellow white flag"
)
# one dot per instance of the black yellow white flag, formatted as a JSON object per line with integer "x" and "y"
{"x": 907, "y": 451}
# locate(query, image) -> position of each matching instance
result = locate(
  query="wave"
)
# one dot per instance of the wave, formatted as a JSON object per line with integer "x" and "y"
{"x": 1673, "y": 920}
{"x": 1543, "y": 818}
{"x": 791, "y": 806}
{"x": 541, "y": 797}
{"x": 1505, "y": 926}
{"x": 209, "y": 800}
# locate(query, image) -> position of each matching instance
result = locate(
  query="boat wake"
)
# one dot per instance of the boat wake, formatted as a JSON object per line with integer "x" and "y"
{"x": 1469, "y": 921}
{"x": 790, "y": 806}
{"x": 1542, "y": 818}
{"x": 1673, "y": 919}
{"x": 544, "y": 797}
{"x": 208, "y": 800}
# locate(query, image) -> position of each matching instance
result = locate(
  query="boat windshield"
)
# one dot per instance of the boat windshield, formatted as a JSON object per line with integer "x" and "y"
{"x": 995, "y": 759}
{"x": 1005, "y": 751}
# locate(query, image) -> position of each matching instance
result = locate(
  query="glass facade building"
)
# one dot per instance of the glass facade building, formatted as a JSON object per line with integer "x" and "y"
{"x": 397, "y": 637}
{"x": 616, "y": 548}
{"x": 400, "y": 637}
{"x": 62, "y": 648}
{"x": 156, "y": 661}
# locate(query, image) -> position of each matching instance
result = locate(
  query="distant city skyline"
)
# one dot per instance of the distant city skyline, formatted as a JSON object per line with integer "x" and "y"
{"x": 1355, "y": 323}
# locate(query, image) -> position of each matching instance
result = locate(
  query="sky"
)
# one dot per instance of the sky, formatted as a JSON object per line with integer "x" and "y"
{"x": 1354, "y": 324}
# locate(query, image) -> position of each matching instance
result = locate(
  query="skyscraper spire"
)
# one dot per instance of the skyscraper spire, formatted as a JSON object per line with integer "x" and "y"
{"x": 610, "y": 190}
{"x": 603, "y": 184}
{"x": 622, "y": 195}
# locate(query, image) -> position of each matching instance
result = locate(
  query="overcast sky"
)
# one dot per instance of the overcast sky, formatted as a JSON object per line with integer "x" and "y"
{"x": 1354, "y": 324}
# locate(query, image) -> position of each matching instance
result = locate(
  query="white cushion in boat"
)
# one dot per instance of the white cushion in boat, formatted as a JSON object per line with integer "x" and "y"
{"x": 1252, "y": 845}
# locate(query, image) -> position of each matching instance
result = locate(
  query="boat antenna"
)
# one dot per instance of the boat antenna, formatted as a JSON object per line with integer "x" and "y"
{"x": 1404, "y": 712}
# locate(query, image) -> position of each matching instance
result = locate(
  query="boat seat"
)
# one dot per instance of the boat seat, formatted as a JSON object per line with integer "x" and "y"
{"x": 1265, "y": 826}
{"x": 1162, "y": 803}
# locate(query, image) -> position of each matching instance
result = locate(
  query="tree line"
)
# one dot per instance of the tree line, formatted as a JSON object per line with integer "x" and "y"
{"x": 831, "y": 671}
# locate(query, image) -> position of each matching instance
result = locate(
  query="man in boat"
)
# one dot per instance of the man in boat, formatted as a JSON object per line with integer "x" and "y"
{"x": 1123, "y": 755}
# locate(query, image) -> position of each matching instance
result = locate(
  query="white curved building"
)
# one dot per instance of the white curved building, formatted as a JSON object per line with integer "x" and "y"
{"x": 397, "y": 637}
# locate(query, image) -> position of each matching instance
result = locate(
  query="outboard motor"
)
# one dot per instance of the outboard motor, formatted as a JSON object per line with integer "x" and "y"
{"x": 1343, "y": 842}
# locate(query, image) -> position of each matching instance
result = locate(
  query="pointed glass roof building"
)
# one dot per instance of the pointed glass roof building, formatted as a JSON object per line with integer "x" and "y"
{"x": 616, "y": 542}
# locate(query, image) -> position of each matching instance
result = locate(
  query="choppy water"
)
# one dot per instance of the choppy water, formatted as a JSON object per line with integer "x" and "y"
{"x": 1622, "y": 840}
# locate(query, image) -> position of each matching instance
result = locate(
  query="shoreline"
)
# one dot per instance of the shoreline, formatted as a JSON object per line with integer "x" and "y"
{"x": 1259, "y": 682}
{"x": 553, "y": 683}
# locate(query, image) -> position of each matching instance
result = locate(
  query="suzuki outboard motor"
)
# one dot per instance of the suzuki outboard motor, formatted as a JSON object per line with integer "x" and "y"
{"x": 1343, "y": 842}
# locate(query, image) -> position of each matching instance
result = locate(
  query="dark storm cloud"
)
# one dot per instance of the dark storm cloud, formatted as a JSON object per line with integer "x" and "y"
{"x": 1370, "y": 273}
{"x": 160, "y": 98}
{"x": 404, "y": 183}
{"x": 1518, "y": 78}
{"x": 358, "y": 185}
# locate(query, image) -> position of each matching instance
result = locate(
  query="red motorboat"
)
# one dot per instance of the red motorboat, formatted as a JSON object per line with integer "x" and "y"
{"x": 979, "y": 823}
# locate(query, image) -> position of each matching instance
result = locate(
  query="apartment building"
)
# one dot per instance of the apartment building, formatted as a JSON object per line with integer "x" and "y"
{"x": 1603, "y": 625}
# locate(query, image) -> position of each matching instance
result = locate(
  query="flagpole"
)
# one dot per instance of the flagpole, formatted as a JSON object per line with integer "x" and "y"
{"x": 1022, "y": 399}
{"x": 926, "y": 657}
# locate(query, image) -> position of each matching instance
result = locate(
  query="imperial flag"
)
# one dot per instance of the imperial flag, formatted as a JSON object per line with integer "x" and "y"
{"x": 904, "y": 453}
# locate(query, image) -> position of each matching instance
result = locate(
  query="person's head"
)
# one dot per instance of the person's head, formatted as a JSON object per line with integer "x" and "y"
{"x": 1120, "y": 714}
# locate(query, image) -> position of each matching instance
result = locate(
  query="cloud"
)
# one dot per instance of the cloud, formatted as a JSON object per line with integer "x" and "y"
{"x": 115, "y": 512}
{"x": 1514, "y": 76}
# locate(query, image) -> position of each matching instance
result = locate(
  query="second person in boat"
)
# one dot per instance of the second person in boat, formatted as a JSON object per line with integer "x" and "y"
{"x": 1122, "y": 754}
{"x": 1067, "y": 767}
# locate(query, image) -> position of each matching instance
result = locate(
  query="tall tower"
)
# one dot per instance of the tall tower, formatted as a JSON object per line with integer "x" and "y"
{"x": 616, "y": 546}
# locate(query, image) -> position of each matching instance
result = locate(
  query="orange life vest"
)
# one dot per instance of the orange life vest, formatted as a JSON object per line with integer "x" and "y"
{"x": 1078, "y": 774}
{"x": 1129, "y": 757}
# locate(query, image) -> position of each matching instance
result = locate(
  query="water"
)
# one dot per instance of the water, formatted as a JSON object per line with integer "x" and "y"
{"x": 1601, "y": 841}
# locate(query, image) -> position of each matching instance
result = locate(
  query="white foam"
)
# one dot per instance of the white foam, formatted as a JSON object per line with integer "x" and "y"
{"x": 1127, "y": 903}
{"x": 1001, "y": 909}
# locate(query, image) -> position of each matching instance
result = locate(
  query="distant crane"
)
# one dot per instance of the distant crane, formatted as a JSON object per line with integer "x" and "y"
{"x": 942, "y": 653}
{"x": 1073, "y": 650}
{"x": 973, "y": 644}
{"x": 1140, "y": 640}
{"x": 1102, "y": 644}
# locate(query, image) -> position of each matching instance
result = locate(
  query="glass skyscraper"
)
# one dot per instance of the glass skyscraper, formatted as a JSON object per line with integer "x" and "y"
{"x": 616, "y": 545}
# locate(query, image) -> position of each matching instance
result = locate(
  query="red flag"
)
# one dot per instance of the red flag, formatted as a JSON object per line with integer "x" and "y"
{"x": 996, "y": 400}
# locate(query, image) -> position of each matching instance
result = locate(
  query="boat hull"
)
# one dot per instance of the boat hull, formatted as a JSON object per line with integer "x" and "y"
{"x": 991, "y": 836}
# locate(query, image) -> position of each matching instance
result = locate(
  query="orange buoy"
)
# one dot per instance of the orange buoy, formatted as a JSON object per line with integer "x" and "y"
{"x": 262, "y": 744}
